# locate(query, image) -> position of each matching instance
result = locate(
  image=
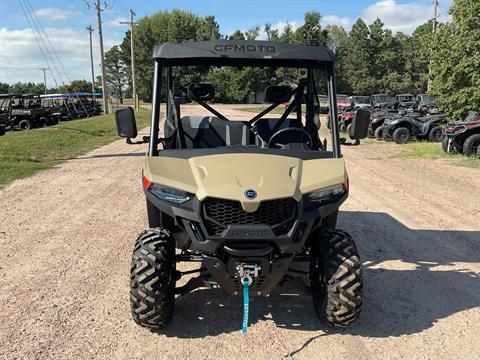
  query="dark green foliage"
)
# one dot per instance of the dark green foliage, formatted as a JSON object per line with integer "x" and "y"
{"x": 456, "y": 62}
{"x": 115, "y": 71}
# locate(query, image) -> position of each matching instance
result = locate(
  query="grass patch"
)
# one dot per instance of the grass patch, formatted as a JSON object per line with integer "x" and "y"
{"x": 22, "y": 153}
{"x": 258, "y": 109}
{"x": 427, "y": 150}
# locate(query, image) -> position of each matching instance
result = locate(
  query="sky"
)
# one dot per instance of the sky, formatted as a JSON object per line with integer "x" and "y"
{"x": 64, "y": 23}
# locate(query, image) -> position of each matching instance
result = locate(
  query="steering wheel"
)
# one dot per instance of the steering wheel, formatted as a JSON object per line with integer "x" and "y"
{"x": 306, "y": 137}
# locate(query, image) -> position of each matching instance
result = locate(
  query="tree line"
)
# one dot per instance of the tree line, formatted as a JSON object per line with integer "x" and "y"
{"x": 370, "y": 58}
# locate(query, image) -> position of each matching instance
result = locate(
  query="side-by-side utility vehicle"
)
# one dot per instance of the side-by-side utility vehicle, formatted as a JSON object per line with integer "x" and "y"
{"x": 251, "y": 201}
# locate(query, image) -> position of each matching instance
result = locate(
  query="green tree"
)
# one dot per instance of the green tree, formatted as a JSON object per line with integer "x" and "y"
{"x": 237, "y": 35}
{"x": 208, "y": 29}
{"x": 311, "y": 32}
{"x": 337, "y": 41}
{"x": 357, "y": 59}
{"x": 27, "y": 88}
{"x": 456, "y": 60}
{"x": 272, "y": 34}
{"x": 80, "y": 86}
{"x": 288, "y": 35}
{"x": 253, "y": 33}
{"x": 176, "y": 26}
{"x": 115, "y": 73}
{"x": 4, "y": 88}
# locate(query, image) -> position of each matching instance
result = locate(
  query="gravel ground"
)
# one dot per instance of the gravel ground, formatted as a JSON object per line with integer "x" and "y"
{"x": 67, "y": 235}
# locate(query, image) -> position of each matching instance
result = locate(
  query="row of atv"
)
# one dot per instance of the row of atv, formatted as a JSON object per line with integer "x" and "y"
{"x": 402, "y": 127}
{"x": 459, "y": 137}
{"x": 27, "y": 111}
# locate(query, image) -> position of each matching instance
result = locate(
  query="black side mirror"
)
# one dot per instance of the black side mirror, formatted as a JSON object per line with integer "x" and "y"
{"x": 126, "y": 125}
{"x": 278, "y": 94}
{"x": 203, "y": 92}
{"x": 360, "y": 122}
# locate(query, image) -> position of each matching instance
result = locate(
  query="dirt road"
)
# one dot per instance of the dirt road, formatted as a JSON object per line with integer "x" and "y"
{"x": 65, "y": 245}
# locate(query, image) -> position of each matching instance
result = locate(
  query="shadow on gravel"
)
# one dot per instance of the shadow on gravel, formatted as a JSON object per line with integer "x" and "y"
{"x": 412, "y": 280}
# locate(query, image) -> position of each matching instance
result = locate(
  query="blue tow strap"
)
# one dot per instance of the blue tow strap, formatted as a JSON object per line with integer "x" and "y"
{"x": 245, "y": 306}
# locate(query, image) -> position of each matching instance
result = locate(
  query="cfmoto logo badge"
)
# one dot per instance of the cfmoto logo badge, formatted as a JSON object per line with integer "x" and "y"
{"x": 250, "y": 194}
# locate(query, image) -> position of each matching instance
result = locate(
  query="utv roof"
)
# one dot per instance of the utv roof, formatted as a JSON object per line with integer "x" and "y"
{"x": 242, "y": 52}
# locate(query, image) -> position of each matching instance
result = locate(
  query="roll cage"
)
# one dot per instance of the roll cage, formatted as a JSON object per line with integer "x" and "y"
{"x": 241, "y": 54}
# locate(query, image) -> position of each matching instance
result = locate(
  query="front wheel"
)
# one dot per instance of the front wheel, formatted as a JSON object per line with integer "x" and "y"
{"x": 336, "y": 278}
{"x": 471, "y": 145}
{"x": 24, "y": 125}
{"x": 401, "y": 135}
{"x": 379, "y": 133}
{"x": 436, "y": 134}
{"x": 152, "y": 278}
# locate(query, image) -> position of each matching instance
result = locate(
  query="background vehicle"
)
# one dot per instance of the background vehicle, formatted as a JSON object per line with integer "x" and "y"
{"x": 463, "y": 136}
{"x": 426, "y": 103}
{"x": 59, "y": 105}
{"x": 405, "y": 102}
{"x": 323, "y": 105}
{"x": 360, "y": 102}
{"x": 375, "y": 128}
{"x": 382, "y": 101}
{"x": 22, "y": 112}
{"x": 343, "y": 102}
{"x": 403, "y": 127}
{"x": 227, "y": 193}
{"x": 85, "y": 104}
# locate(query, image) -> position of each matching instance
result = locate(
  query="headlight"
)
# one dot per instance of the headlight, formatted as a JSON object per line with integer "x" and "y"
{"x": 328, "y": 194}
{"x": 167, "y": 194}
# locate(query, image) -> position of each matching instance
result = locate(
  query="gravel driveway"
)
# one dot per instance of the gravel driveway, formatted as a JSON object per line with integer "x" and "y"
{"x": 67, "y": 234}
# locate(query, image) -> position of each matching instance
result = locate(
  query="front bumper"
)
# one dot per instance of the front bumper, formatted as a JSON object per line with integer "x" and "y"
{"x": 196, "y": 236}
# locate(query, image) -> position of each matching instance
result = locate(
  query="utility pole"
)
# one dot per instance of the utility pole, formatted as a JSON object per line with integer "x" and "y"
{"x": 44, "y": 78}
{"x": 104, "y": 87}
{"x": 434, "y": 30}
{"x": 90, "y": 30}
{"x": 132, "y": 56}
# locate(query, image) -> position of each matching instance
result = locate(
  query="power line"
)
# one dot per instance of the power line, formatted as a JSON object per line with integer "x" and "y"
{"x": 32, "y": 18}
{"x": 36, "y": 40}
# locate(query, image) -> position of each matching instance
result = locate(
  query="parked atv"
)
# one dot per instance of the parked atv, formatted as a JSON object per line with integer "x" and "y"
{"x": 375, "y": 128}
{"x": 402, "y": 128}
{"x": 463, "y": 136}
{"x": 345, "y": 120}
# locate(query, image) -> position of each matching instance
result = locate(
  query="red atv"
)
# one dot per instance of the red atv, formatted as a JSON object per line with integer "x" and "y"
{"x": 463, "y": 136}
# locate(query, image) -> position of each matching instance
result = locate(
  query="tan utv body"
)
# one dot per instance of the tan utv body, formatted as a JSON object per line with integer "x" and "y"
{"x": 250, "y": 201}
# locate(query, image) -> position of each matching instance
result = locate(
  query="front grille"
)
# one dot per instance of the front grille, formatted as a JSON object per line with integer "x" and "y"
{"x": 278, "y": 214}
